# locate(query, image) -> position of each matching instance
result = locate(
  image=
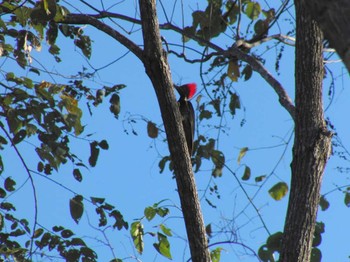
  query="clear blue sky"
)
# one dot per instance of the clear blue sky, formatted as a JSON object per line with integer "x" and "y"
{"x": 127, "y": 175}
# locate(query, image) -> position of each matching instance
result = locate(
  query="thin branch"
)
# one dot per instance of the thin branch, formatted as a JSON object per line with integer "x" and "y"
{"x": 234, "y": 51}
{"x": 91, "y": 20}
{"x": 31, "y": 182}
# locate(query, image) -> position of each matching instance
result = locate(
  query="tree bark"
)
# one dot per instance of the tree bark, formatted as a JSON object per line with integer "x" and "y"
{"x": 333, "y": 18}
{"x": 157, "y": 69}
{"x": 312, "y": 142}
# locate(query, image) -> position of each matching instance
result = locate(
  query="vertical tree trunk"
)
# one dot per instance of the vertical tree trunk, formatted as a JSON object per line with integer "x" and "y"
{"x": 157, "y": 69}
{"x": 333, "y": 18}
{"x": 312, "y": 143}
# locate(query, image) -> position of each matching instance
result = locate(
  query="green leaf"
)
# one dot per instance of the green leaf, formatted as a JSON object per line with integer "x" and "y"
{"x": 19, "y": 136}
{"x": 217, "y": 172}
{"x": 208, "y": 230}
{"x": 9, "y": 184}
{"x": 94, "y": 152}
{"x": 246, "y": 174}
{"x": 265, "y": 254}
{"x": 241, "y": 154}
{"x": 205, "y": 114}
{"x": 163, "y": 246}
{"x": 218, "y": 158}
{"x": 162, "y": 211}
{"x": 136, "y": 232}
{"x": 57, "y": 228}
{"x": 215, "y": 254}
{"x": 279, "y": 190}
{"x": 324, "y": 204}
{"x": 2, "y": 193}
{"x": 38, "y": 233}
{"x": 235, "y": 103}
{"x": 115, "y": 105}
{"x": 76, "y": 207}
{"x": 253, "y": 10}
{"x": 150, "y": 213}
{"x": 347, "y": 198}
{"x": 77, "y": 174}
{"x": 260, "y": 178}
{"x": 97, "y": 200}
{"x": 316, "y": 255}
{"x": 233, "y": 70}
{"x": 166, "y": 230}
{"x": 274, "y": 242}
{"x": 84, "y": 43}
{"x": 247, "y": 72}
{"x": 104, "y": 145}
{"x": 66, "y": 233}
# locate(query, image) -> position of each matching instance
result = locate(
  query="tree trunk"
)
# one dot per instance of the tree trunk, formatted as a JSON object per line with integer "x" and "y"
{"x": 157, "y": 69}
{"x": 333, "y": 18}
{"x": 312, "y": 143}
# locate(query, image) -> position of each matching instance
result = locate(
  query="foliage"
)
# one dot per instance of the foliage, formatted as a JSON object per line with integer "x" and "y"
{"x": 50, "y": 115}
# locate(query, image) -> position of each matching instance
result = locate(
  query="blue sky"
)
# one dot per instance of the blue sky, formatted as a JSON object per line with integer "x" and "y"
{"x": 127, "y": 175}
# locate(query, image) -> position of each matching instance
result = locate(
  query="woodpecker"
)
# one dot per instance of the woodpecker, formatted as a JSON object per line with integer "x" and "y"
{"x": 186, "y": 92}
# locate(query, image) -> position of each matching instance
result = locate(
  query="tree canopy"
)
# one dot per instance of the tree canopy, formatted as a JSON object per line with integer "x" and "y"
{"x": 87, "y": 172}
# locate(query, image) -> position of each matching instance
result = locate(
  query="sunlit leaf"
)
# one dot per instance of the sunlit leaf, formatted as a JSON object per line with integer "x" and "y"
{"x": 150, "y": 213}
{"x": 215, "y": 254}
{"x": 241, "y": 154}
{"x": 163, "y": 245}
{"x": 136, "y": 232}
{"x": 253, "y": 10}
{"x": 166, "y": 230}
{"x": 278, "y": 191}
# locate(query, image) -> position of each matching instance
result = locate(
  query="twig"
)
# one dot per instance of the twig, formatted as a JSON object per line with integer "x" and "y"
{"x": 31, "y": 182}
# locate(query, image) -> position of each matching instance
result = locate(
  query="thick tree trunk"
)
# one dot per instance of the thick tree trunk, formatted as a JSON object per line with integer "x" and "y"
{"x": 312, "y": 144}
{"x": 157, "y": 69}
{"x": 333, "y": 18}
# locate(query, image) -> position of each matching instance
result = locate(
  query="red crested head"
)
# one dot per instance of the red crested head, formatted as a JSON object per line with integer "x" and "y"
{"x": 187, "y": 91}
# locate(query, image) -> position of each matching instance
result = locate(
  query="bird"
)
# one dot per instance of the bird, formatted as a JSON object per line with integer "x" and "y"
{"x": 186, "y": 92}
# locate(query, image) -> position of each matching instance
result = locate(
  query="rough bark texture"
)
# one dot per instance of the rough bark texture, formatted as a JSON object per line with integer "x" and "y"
{"x": 312, "y": 144}
{"x": 158, "y": 71}
{"x": 333, "y": 18}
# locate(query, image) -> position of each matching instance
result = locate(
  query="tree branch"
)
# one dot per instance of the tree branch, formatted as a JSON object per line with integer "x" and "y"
{"x": 92, "y": 20}
{"x": 284, "y": 98}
